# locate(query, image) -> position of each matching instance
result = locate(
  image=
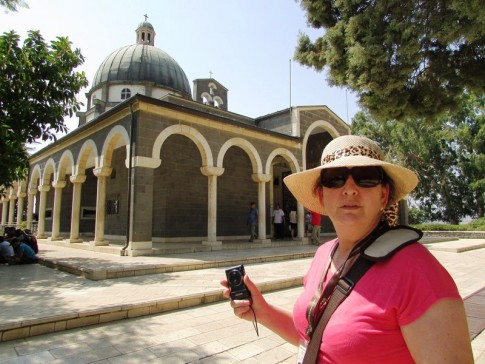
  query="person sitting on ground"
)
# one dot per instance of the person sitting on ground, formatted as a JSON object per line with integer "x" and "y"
{"x": 26, "y": 237}
{"x": 6, "y": 250}
{"x": 23, "y": 253}
{"x": 406, "y": 308}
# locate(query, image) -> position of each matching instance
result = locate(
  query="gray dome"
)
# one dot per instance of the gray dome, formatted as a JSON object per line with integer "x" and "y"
{"x": 145, "y": 24}
{"x": 138, "y": 63}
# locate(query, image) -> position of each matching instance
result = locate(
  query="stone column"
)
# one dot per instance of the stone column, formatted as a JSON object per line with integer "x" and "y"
{"x": 212, "y": 173}
{"x": 56, "y": 211}
{"x": 4, "y": 210}
{"x": 11, "y": 208}
{"x": 77, "y": 182}
{"x": 30, "y": 207}
{"x": 140, "y": 238}
{"x": 20, "y": 206}
{"x": 43, "y": 189}
{"x": 261, "y": 179}
{"x": 101, "y": 173}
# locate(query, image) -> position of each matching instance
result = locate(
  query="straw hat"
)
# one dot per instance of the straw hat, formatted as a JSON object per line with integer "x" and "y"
{"x": 350, "y": 151}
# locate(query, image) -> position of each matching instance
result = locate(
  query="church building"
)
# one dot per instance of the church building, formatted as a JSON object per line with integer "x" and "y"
{"x": 153, "y": 160}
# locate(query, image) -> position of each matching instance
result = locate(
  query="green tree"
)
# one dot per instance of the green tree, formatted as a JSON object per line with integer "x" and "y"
{"x": 404, "y": 59}
{"x": 447, "y": 155}
{"x": 12, "y": 5}
{"x": 38, "y": 87}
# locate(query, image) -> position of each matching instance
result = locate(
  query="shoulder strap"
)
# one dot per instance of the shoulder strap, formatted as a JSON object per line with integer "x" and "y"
{"x": 342, "y": 290}
{"x": 380, "y": 247}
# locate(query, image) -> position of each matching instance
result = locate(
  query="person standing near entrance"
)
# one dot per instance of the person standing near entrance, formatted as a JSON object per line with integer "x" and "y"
{"x": 293, "y": 222}
{"x": 252, "y": 221}
{"x": 316, "y": 226}
{"x": 278, "y": 222}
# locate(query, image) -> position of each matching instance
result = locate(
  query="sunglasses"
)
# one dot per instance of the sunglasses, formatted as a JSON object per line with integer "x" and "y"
{"x": 365, "y": 177}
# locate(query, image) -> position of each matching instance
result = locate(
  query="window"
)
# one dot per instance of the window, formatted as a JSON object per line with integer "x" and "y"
{"x": 113, "y": 206}
{"x": 88, "y": 213}
{"x": 125, "y": 94}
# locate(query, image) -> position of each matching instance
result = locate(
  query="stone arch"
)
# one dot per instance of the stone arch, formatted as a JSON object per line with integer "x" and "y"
{"x": 87, "y": 157}
{"x": 285, "y": 154}
{"x": 49, "y": 169}
{"x": 189, "y": 132}
{"x": 319, "y": 124}
{"x": 117, "y": 137}
{"x": 247, "y": 147}
{"x": 35, "y": 176}
{"x": 66, "y": 165}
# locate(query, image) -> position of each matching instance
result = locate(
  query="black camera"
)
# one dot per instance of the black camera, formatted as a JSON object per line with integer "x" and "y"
{"x": 235, "y": 277}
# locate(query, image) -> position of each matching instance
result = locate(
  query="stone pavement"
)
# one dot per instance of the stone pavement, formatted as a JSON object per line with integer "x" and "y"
{"x": 50, "y": 316}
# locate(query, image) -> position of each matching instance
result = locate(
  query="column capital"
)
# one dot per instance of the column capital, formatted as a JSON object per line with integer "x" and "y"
{"x": 58, "y": 184}
{"x": 21, "y": 194}
{"x": 261, "y": 177}
{"x": 211, "y": 171}
{"x": 102, "y": 171}
{"x": 78, "y": 178}
{"x": 44, "y": 188}
{"x": 33, "y": 191}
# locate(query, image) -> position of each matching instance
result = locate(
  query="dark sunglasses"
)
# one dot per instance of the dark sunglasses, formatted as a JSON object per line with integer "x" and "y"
{"x": 365, "y": 177}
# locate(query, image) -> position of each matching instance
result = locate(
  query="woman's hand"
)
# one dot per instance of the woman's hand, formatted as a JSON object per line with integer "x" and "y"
{"x": 274, "y": 318}
{"x": 242, "y": 308}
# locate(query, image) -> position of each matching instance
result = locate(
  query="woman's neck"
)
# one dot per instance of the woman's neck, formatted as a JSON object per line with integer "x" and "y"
{"x": 349, "y": 237}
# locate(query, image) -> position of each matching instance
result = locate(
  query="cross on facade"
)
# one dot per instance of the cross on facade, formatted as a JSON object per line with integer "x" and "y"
{"x": 146, "y": 17}
{"x": 210, "y": 74}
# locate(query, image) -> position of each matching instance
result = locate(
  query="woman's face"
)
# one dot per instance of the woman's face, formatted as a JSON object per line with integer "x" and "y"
{"x": 352, "y": 206}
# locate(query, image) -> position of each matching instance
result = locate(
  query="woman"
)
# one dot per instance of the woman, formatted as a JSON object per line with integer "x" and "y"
{"x": 404, "y": 309}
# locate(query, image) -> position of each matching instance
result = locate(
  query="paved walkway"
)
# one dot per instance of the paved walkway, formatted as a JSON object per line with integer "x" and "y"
{"x": 180, "y": 327}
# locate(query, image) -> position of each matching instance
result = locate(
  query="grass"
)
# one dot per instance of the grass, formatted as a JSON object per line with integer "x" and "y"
{"x": 474, "y": 225}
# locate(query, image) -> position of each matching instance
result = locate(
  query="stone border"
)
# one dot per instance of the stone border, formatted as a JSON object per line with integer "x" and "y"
{"x": 47, "y": 325}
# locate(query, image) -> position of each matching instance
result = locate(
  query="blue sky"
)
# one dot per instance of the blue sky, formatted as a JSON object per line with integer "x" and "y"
{"x": 246, "y": 44}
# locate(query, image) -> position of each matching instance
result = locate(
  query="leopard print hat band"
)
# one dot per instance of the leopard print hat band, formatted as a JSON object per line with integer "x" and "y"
{"x": 350, "y": 151}
{"x": 353, "y": 150}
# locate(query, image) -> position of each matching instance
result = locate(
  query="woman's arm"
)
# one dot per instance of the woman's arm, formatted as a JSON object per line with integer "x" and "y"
{"x": 274, "y": 318}
{"x": 440, "y": 335}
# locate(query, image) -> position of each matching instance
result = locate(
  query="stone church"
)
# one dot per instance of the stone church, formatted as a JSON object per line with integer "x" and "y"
{"x": 154, "y": 161}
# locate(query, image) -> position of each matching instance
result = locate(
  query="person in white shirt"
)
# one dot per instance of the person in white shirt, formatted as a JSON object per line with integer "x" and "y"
{"x": 279, "y": 222}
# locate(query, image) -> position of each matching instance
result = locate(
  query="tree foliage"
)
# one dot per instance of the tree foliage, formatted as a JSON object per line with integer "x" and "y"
{"x": 404, "y": 59}
{"x": 38, "y": 87}
{"x": 448, "y": 156}
{"x": 13, "y": 5}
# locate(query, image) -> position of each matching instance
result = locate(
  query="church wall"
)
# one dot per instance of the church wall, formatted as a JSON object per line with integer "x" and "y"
{"x": 179, "y": 191}
{"x": 280, "y": 123}
{"x": 309, "y": 116}
{"x": 235, "y": 190}
{"x": 148, "y": 128}
{"x": 117, "y": 195}
{"x": 49, "y": 204}
{"x": 158, "y": 93}
{"x": 66, "y": 208}
{"x": 88, "y": 200}
{"x": 115, "y": 91}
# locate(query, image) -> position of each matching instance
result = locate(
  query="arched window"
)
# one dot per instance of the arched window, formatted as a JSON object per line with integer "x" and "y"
{"x": 125, "y": 94}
